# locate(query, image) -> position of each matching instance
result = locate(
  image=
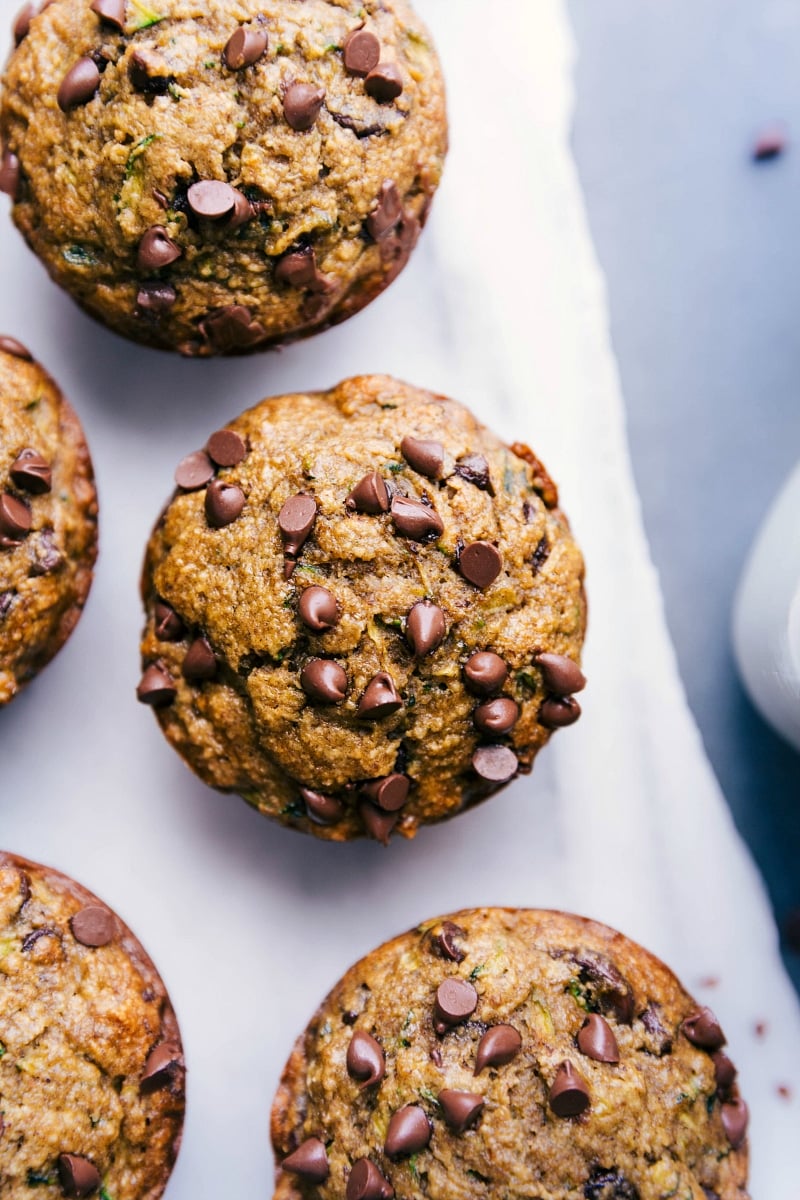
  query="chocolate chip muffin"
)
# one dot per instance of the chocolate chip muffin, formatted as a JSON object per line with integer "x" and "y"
{"x": 505, "y": 1054}
{"x": 91, "y": 1065}
{"x": 364, "y": 611}
{"x": 48, "y": 518}
{"x": 219, "y": 178}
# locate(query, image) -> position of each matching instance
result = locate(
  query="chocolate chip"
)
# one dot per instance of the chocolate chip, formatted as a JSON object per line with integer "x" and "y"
{"x": 15, "y": 520}
{"x": 377, "y": 823}
{"x": 380, "y": 698}
{"x": 77, "y": 1176}
{"x": 499, "y": 1046}
{"x": 423, "y": 456}
{"x": 561, "y": 675}
{"x": 6, "y": 601}
{"x": 309, "y": 1161}
{"x": 389, "y": 793}
{"x": 298, "y": 269}
{"x": 475, "y": 469}
{"x": 369, "y": 495}
{"x": 93, "y": 926}
{"x": 324, "y": 681}
{"x": 322, "y": 810}
{"x": 540, "y": 555}
{"x": 79, "y": 84}
{"x": 200, "y": 662}
{"x": 769, "y": 144}
{"x": 485, "y": 672}
{"x": 362, "y": 52}
{"x": 445, "y": 942}
{"x": 415, "y": 520}
{"x": 605, "y": 1184}
{"x": 496, "y": 717}
{"x": 366, "y": 1060}
{"x": 226, "y": 448}
{"x": 384, "y": 82}
{"x": 232, "y": 328}
{"x": 387, "y": 213}
{"x": 149, "y": 73}
{"x": 22, "y": 22}
{"x": 12, "y": 346}
{"x": 724, "y": 1071}
{"x": 31, "y": 472}
{"x": 301, "y": 105}
{"x": 703, "y": 1029}
{"x": 46, "y": 555}
{"x": 168, "y": 625}
{"x": 460, "y": 1110}
{"x": 569, "y": 1094}
{"x": 735, "y": 1119}
{"x": 480, "y": 563}
{"x": 156, "y": 249}
{"x": 495, "y": 764}
{"x": 296, "y": 520}
{"x": 596, "y": 1040}
{"x": 156, "y": 297}
{"x": 244, "y": 47}
{"x": 243, "y": 210}
{"x": 113, "y": 12}
{"x": 194, "y": 471}
{"x": 156, "y": 687}
{"x": 224, "y": 503}
{"x": 366, "y": 1182}
{"x": 425, "y": 628}
{"x": 409, "y": 1132}
{"x": 456, "y": 1000}
{"x": 661, "y": 1042}
{"x": 162, "y": 1065}
{"x": 211, "y": 199}
{"x": 559, "y": 711}
{"x": 9, "y": 177}
{"x": 609, "y": 990}
{"x": 318, "y": 609}
{"x": 30, "y": 939}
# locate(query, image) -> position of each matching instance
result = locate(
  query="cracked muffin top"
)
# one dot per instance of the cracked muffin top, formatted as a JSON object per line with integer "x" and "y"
{"x": 91, "y": 1066}
{"x": 364, "y": 611}
{"x": 507, "y": 1054}
{"x": 221, "y": 177}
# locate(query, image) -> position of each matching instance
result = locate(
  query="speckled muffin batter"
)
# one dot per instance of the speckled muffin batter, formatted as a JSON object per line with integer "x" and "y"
{"x": 510, "y": 1054}
{"x": 221, "y": 177}
{"x": 48, "y": 518}
{"x": 364, "y": 611}
{"x": 91, "y": 1065}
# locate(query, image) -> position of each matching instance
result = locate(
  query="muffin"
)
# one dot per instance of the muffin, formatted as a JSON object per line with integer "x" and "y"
{"x": 364, "y": 611}
{"x": 48, "y": 518}
{"x": 220, "y": 178}
{"x": 91, "y": 1065}
{"x": 505, "y": 1054}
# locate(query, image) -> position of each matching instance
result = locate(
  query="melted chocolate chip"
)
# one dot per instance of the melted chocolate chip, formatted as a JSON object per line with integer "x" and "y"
{"x": 93, "y": 926}
{"x": 475, "y": 470}
{"x": 460, "y": 1110}
{"x": 409, "y": 1132}
{"x": 149, "y": 73}
{"x": 596, "y": 1040}
{"x": 22, "y": 22}
{"x": 79, "y": 84}
{"x": 31, "y": 472}
{"x": 366, "y": 1060}
{"x": 607, "y": 989}
{"x": 605, "y": 1184}
{"x": 298, "y": 269}
{"x": 426, "y": 628}
{"x": 380, "y": 698}
{"x": 724, "y": 1071}
{"x": 309, "y": 1161}
{"x": 569, "y": 1093}
{"x": 499, "y": 1046}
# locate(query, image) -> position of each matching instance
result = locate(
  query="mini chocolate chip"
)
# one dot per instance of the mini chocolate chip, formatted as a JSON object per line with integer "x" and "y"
{"x": 77, "y": 1176}
{"x": 426, "y": 628}
{"x": 499, "y": 1046}
{"x": 156, "y": 249}
{"x": 384, "y": 82}
{"x": 369, "y": 495}
{"x": 456, "y": 1000}
{"x": 445, "y": 943}
{"x": 366, "y": 1182}
{"x": 113, "y": 12}
{"x": 561, "y": 675}
{"x": 156, "y": 687}
{"x": 244, "y": 47}
{"x": 480, "y": 563}
{"x": 475, "y": 469}
{"x": 324, "y": 681}
{"x": 322, "y": 810}
{"x": 298, "y": 269}
{"x": 226, "y": 448}
{"x": 485, "y": 672}
{"x": 362, "y": 52}
{"x": 389, "y": 793}
{"x": 380, "y": 698}
{"x": 12, "y": 346}
{"x": 366, "y": 1060}
{"x": 724, "y": 1071}
{"x": 557, "y": 712}
{"x": 296, "y": 520}
{"x": 460, "y": 1110}
{"x": 415, "y": 520}
{"x": 156, "y": 297}
{"x": 387, "y": 213}
{"x": 496, "y": 717}
{"x": 309, "y": 1161}
{"x": 569, "y": 1094}
{"x": 93, "y": 926}
{"x": 409, "y": 1132}
{"x": 211, "y": 199}
{"x": 9, "y": 176}
{"x": 423, "y": 456}
{"x": 79, "y": 84}
{"x": 200, "y": 661}
{"x": 318, "y": 609}
{"x": 224, "y": 503}
{"x": 31, "y": 472}
{"x": 168, "y": 625}
{"x": 15, "y": 519}
{"x": 376, "y": 822}
{"x": 703, "y": 1029}
{"x": 735, "y": 1119}
{"x": 495, "y": 764}
{"x": 22, "y": 22}
{"x": 194, "y": 471}
{"x": 301, "y": 105}
{"x": 596, "y": 1040}
{"x": 161, "y": 1066}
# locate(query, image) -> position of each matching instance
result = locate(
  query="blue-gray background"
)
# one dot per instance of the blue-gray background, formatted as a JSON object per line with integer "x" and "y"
{"x": 701, "y": 249}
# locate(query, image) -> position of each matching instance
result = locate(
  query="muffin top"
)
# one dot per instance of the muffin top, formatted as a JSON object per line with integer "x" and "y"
{"x": 502, "y": 1054}
{"x": 370, "y": 618}
{"x": 48, "y": 518}
{"x": 91, "y": 1066}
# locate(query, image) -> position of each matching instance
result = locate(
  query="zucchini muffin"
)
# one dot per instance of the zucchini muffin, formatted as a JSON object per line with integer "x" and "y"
{"x": 507, "y": 1054}
{"x": 219, "y": 178}
{"x": 91, "y": 1065}
{"x": 364, "y": 611}
{"x": 48, "y": 518}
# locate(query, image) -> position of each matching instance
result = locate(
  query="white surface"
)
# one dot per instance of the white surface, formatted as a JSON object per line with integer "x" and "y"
{"x": 766, "y": 623}
{"x": 504, "y": 308}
